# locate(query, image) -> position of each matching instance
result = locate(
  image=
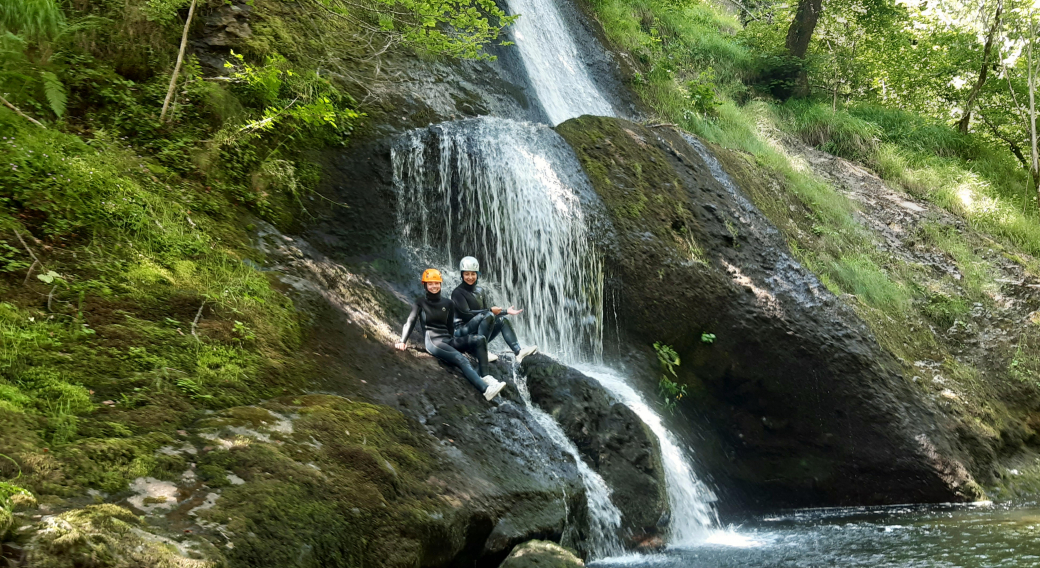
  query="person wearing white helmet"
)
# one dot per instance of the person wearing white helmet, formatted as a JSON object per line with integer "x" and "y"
{"x": 476, "y": 314}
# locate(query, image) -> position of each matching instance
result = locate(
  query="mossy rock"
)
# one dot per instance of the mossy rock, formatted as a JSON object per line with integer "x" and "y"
{"x": 541, "y": 554}
{"x": 327, "y": 481}
{"x": 107, "y": 536}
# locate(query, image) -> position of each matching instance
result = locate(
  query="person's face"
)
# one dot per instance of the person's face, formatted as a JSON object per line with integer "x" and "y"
{"x": 469, "y": 277}
{"x": 433, "y": 287}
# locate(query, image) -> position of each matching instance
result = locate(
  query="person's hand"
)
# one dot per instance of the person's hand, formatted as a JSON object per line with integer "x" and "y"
{"x": 513, "y": 311}
{"x": 496, "y": 310}
{"x": 401, "y": 346}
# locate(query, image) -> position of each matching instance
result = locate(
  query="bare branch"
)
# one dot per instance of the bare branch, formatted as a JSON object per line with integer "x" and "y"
{"x": 20, "y": 113}
{"x": 195, "y": 323}
{"x": 180, "y": 61}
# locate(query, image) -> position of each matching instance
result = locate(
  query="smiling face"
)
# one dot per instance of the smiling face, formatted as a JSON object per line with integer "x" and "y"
{"x": 433, "y": 287}
{"x": 469, "y": 277}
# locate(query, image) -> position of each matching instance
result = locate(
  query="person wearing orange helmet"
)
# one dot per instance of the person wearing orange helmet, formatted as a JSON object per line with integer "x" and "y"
{"x": 436, "y": 315}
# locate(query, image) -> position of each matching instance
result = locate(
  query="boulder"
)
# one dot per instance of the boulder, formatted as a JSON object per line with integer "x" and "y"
{"x": 541, "y": 554}
{"x": 612, "y": 438}
{"x": 802, "y": 406}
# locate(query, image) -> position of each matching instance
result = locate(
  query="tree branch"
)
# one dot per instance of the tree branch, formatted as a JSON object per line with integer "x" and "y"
{"x": 195, "y": 323}
{"x": 180, "y": 61}
{"x": 20, "y": 113}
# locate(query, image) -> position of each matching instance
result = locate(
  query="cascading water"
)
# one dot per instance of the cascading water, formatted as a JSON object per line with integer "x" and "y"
{"x": 688, "y": 498}
{"x": 553, "y": 62}
{"x": 510, "y": 194}
{"x": 604, "y": 516}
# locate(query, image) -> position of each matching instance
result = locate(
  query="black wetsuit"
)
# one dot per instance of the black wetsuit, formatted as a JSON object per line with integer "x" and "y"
{"x": 473, "y": 315}
{"x": 436, "y": 315}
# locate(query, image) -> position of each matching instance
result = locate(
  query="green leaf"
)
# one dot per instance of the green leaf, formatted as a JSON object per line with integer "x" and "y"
{"x": 49, "y": 277}
{"x": 55, "y": 92}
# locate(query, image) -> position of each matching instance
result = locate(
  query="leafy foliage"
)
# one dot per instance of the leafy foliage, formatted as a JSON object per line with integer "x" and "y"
{"x": 455, "y": 28}
{"x": 671, "y": 391}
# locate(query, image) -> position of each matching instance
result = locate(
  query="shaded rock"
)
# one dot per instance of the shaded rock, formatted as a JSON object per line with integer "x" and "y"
{"x": 616, "y": 443}
{"x": 541, "y": 554}
{"x": 805, "y": 407}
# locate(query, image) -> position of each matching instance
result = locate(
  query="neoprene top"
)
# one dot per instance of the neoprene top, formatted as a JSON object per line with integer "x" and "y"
{"x": 470, "y": 301}
{"x": 434, "y": 313}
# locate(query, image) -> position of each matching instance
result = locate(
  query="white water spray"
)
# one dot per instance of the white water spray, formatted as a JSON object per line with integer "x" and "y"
{"x": 553, "y": 62}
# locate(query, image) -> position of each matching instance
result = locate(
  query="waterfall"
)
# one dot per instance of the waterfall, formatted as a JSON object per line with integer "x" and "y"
{"x": 515, "y": 196}
{"x": 553, "y": 62}
{"x": 510, "y": 194}
{"x": 688, "y": 498}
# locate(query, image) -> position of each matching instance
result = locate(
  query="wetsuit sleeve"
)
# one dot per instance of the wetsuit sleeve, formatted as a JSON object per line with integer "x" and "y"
{"x": 461, "y": 304}
{"x": 410, "y": 324}
{"x": 451, "y": 319}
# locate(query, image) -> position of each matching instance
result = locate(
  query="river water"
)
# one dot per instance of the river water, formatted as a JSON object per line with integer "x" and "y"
{"x": 912, "y": 536}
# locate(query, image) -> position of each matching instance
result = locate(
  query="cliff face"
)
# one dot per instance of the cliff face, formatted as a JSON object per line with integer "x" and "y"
{"x": 807, "y": 408}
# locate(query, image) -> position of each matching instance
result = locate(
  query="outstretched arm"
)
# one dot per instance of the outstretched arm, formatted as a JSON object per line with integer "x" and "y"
{"x": 409, "y": 325}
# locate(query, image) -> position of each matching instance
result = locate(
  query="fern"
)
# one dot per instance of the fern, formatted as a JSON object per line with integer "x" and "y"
{"x": 55, "y": 92}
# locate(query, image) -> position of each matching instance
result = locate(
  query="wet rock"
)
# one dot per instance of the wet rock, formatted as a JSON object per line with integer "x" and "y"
{"x": 541, "y": 554}
{"x": 804, "y": 405}
{"x": 614, "y": 441}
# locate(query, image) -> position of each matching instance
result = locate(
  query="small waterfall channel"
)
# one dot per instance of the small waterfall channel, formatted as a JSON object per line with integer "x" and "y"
{"x": 553, "y": 62}
{"x": 515, "y": 196}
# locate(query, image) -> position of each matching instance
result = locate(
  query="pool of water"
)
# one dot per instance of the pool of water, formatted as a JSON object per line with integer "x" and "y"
{"x": 934, "y": 536}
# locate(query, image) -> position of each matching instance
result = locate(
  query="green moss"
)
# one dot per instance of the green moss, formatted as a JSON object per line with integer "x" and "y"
{"x": 103, "y": 536}
{"x": 633, "y": 178}
{"x": 346, "y": 485}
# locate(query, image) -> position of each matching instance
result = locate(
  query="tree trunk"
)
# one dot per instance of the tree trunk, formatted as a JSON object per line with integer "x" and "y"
{"x": 180, "y": 60}
{"x": 965, "y": 121}
{"x": 802, "y": 27}
{"x": 1033, "y": 70}
{"x": 798, "y": 37}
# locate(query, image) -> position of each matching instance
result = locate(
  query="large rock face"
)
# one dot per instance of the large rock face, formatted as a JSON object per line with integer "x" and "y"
{"x": 807, "y": 409}
{"x": 614, "y": 441}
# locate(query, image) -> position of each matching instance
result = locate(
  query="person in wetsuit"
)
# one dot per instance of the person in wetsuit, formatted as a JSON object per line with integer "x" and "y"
{"x": 475, "y": 314}
{"x": 436, "y": 315}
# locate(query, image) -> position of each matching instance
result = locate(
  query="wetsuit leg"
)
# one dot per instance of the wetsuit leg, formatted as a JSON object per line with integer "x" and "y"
{"x": 487, "y": 323}
{"x": 477, "y": 345}
{"x": 469, "y": 328}
{"x": 442, "y": 349}
{"x": 502, "y": 325}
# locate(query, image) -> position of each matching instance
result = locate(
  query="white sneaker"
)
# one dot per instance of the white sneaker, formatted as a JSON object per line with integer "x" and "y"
{"x": 494, "y": 387}
{"x": 492, "y": 357}
{"x": 525, "y": 352}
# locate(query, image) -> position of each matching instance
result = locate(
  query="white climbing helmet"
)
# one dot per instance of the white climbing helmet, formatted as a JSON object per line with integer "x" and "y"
{"x": 469, "y": 264}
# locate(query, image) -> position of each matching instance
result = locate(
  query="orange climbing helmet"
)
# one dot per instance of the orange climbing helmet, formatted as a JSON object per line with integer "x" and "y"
{"x": 431, "y": 275}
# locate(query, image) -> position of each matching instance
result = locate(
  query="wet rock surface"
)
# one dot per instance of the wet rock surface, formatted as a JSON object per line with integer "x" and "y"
{"x": 805, "y": 407}
{"x": 614, "y": 441}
